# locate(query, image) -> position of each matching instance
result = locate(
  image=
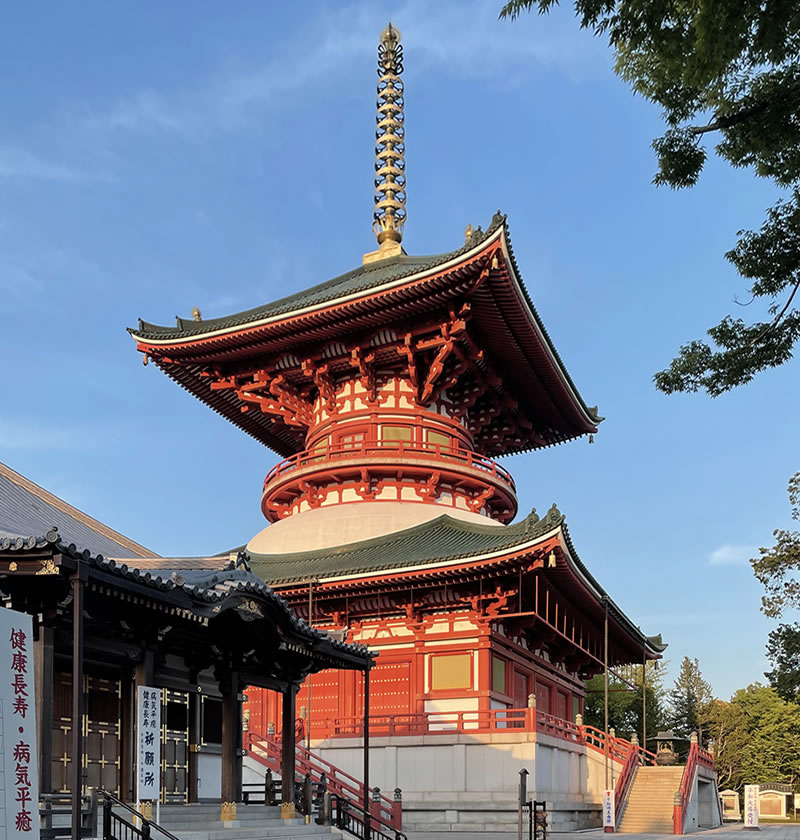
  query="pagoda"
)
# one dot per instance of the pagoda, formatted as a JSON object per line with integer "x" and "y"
{"x": 390, "y": 392}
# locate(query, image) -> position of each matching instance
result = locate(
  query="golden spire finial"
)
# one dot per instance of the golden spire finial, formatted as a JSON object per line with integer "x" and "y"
{"x": 390, "y": 149}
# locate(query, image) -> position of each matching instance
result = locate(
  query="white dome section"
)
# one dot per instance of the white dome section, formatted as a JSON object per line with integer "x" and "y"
{"x": 328, "y": 527}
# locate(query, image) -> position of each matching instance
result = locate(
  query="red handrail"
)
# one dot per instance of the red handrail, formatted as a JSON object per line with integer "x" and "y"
{"x": 425, "y": 723}
{"x": 679, "y": 810}
{"x": 465, "y": 457}
{"x": 266, "y": 749}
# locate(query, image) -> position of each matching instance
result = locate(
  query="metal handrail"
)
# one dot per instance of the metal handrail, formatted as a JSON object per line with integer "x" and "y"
{"x": 110, "y": 799}
{"x": 348, "y": 811}
{"x": 465, "y": 457}
{"x": 337, "y": 780}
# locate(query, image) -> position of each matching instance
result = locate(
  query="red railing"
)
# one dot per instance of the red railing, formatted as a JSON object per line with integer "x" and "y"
{"x": 394, "y": 449}
{"x": 266, "y": 749}
{"x": 697, "y": 757}
{"x": 637, "y": 756}
{"x": 426, "y": 723}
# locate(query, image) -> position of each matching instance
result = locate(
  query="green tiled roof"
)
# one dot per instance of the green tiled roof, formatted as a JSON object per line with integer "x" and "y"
{"x": 441, "y": 539}
{"x": 359, "y": 279}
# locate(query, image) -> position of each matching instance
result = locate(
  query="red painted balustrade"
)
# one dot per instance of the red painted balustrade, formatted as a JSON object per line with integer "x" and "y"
{"x": 392, "y": 449}
{"x": 266, "y": 749}
{"x": 697, "y": 757}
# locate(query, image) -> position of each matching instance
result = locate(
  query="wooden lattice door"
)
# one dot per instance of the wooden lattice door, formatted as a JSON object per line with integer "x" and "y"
{"x": 101, "y": 733}
{"x": 174, "y": 746}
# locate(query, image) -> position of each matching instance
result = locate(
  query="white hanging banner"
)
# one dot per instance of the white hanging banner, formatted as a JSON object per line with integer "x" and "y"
{"x": 609, "y": 814}
{"x": 148, "y": 740}
{"x": 751, "y": 806}
{"x": 20, "y": 773}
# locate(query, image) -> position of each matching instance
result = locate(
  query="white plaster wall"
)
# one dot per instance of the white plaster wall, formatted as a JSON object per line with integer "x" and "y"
{"x": 453, "y": 765}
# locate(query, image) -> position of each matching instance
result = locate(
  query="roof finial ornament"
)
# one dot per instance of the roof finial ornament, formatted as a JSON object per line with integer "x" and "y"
{"x": 390, "y": 149}
{"x": 196, "y": 314}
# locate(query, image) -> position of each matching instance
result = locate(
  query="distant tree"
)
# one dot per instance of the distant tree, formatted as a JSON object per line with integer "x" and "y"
{"x": 772, "y": 753}
{"x": 755, "y": 737}
{"x": 689, "y": 699}
{"x": 727, "y": 734}
{"x": 625, "y": 703}
{"x": 783, "y": 652}
{"x": 777, "y": 567}
{"x": 729, "y": 68}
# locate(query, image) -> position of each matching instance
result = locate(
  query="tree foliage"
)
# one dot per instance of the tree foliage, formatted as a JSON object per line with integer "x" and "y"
{"x": 783, "y": 652}
{"x": 728, "y": 69}
{"x": 755, "y": 738}
{"x": 625, "y": 703}
{"x": 689, "y": 699}
{"x": 777, "y": 567}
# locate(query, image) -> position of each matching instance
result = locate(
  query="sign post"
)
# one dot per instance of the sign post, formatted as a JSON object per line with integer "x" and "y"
{"x": 148, "y": 744}
{"x": 609, "y": 812}
{"x": 751, "y": 807}
{"x": 20, "y": 772}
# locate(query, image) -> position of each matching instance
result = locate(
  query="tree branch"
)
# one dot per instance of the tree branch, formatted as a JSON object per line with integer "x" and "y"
{"x": 768, "y": 329}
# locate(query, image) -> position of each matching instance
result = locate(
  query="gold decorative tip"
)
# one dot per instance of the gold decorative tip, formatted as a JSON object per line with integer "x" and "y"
{"x": 196, "y": 314}
{"x": 468, "y": 231}
{"x": 390, "y": 148}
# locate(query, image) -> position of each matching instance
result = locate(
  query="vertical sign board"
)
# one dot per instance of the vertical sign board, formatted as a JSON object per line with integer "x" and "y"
{"x": 751, "y": 806}
{"x": 19, "y": 774}
{"x": 609, "y": 820}
{"x": 148, "y": 743}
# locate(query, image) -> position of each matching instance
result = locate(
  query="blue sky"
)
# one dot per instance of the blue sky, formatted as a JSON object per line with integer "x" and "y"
{"x": 154, "y": 157}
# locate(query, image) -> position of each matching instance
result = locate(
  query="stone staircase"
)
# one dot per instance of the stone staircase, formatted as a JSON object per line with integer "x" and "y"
{"x": 255, "y": 822}
{"x": 650, "y": 801}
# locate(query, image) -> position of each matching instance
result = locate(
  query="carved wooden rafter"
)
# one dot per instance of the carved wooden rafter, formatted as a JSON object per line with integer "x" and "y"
{"x": 312, "y": 493}
{"x": 477, "y": 502}
{"x": 368, "y": 488}
{"x": 320, "y": 375}
{"x": 272, "y": 394}
{"x": 429, "y": 490}
{"x": 365, "y": 362}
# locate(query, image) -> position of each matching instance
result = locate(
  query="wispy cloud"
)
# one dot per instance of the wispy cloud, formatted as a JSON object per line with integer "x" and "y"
{"x": 732, "y": 555}
{"x": 26, "y": 433}
{"x": 449, "y": 38}
{"x": 20, "y": 163}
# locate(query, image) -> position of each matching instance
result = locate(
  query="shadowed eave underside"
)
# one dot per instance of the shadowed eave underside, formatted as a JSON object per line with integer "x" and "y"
{"x": 502, "y": 309}
{"x": 437, "y": 544}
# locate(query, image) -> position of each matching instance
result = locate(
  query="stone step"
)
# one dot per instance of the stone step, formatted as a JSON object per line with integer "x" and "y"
{"x": 262, "y": 830}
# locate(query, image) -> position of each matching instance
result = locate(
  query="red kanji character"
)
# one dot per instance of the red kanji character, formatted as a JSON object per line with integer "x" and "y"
{"x": 22, "y": 775}
{"x": 20, "y": 685}
{"x": 22, "y": 752}
{"x": 20, "y": 706}
{"x": 24, "y": 820}
{"x": 19, "y": 662}
{"x": 17, "y": 639}
{"x": 23, "y": 796}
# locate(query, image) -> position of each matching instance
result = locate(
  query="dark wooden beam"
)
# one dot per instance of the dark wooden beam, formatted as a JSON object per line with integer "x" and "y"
{"x": 231, "y": 745}
{"x": 43, "y": 675}
{"x": 76, "y": 782}
{"x": 288, "y": 751}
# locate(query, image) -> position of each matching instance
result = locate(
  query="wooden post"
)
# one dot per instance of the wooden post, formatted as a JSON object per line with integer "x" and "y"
{"x": 43, "y": 667}
{"x": 605, "y": 685}
{"x": 231, "y": 743}
{"x": 143, "y": 675}
{"x": 288, "y": 751}
{"x": 76, "y": 783}
{"x": 367, "y": 821}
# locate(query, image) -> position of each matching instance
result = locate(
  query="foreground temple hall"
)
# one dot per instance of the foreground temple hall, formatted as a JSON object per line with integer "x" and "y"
{"x": 390, "y": 392}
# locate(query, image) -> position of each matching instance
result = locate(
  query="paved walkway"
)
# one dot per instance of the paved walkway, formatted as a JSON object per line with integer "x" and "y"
{"x": 790, "y": 831}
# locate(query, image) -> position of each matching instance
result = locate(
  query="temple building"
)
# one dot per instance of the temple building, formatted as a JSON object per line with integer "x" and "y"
{"x": 109, "y": 616}
{"x": 390, "y": 392}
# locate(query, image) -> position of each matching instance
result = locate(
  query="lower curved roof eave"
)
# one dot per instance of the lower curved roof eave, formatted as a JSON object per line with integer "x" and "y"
{"x": 438, "y": 544}
{"x": 201, "y": 589}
